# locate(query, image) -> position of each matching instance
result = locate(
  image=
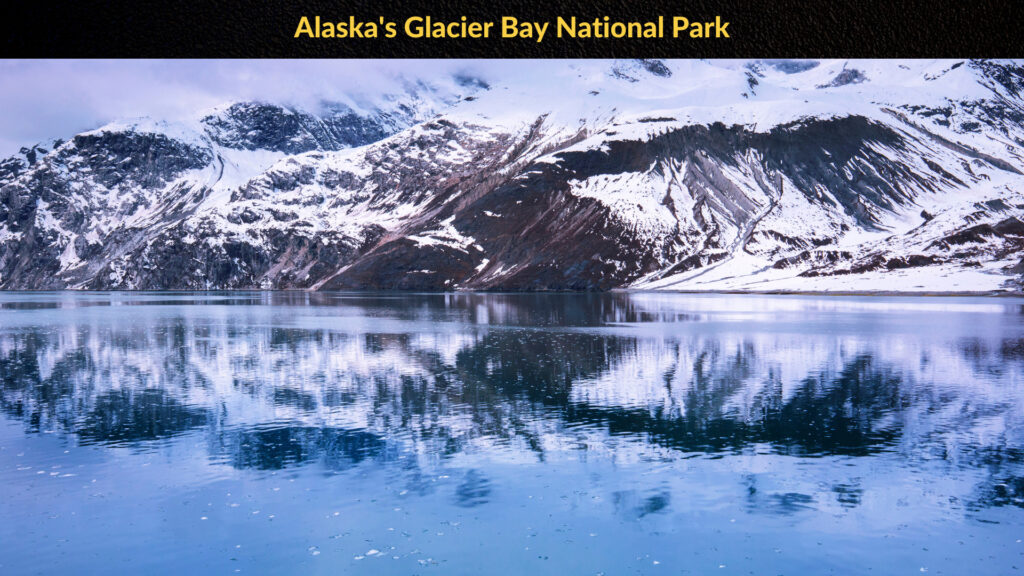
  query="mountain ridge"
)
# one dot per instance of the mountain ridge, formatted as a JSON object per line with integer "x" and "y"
{"x": 688, "y": 175}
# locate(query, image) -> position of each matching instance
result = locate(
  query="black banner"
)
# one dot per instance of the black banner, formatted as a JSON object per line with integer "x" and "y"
{"x": 573, "y": 29}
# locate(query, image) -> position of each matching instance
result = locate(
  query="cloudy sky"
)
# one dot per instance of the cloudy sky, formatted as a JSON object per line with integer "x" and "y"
{"x": 43, "y": 99}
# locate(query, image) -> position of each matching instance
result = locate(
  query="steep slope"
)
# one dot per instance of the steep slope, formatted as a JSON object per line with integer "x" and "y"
{"x": 692, "y": 175}
{"x": 80, "y": 208}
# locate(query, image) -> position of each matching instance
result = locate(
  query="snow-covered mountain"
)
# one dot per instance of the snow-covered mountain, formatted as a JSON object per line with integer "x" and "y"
{"x": 684, "y": 175}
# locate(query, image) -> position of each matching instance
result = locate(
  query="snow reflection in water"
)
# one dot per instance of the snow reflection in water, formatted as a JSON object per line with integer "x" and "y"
{"x": 477, "y": 432}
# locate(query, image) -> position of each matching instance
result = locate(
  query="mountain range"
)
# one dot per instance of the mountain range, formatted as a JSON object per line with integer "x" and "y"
{"x": 754, "y": 175}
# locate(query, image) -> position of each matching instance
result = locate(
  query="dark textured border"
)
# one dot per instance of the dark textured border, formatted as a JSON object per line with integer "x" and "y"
{"x": 265, "y": 28}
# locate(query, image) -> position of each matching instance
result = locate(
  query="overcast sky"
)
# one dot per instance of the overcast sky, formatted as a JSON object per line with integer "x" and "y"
{"x": 43, "y": 99}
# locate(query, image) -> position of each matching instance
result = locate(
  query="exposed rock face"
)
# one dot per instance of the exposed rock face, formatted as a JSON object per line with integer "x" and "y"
{"x": 847, "y": 76}
{"x": 260, "y": 126}
{"x": 774, "y": 176}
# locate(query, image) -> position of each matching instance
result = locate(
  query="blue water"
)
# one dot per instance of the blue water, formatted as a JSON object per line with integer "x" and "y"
{"x": 262, "y": 433}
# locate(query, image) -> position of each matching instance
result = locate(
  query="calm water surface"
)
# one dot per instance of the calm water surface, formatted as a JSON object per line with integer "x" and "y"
{"x": 492, "y": 434}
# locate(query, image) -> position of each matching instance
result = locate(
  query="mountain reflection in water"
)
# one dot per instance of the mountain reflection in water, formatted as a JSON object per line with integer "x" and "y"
{"x": 404, "y": 383}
